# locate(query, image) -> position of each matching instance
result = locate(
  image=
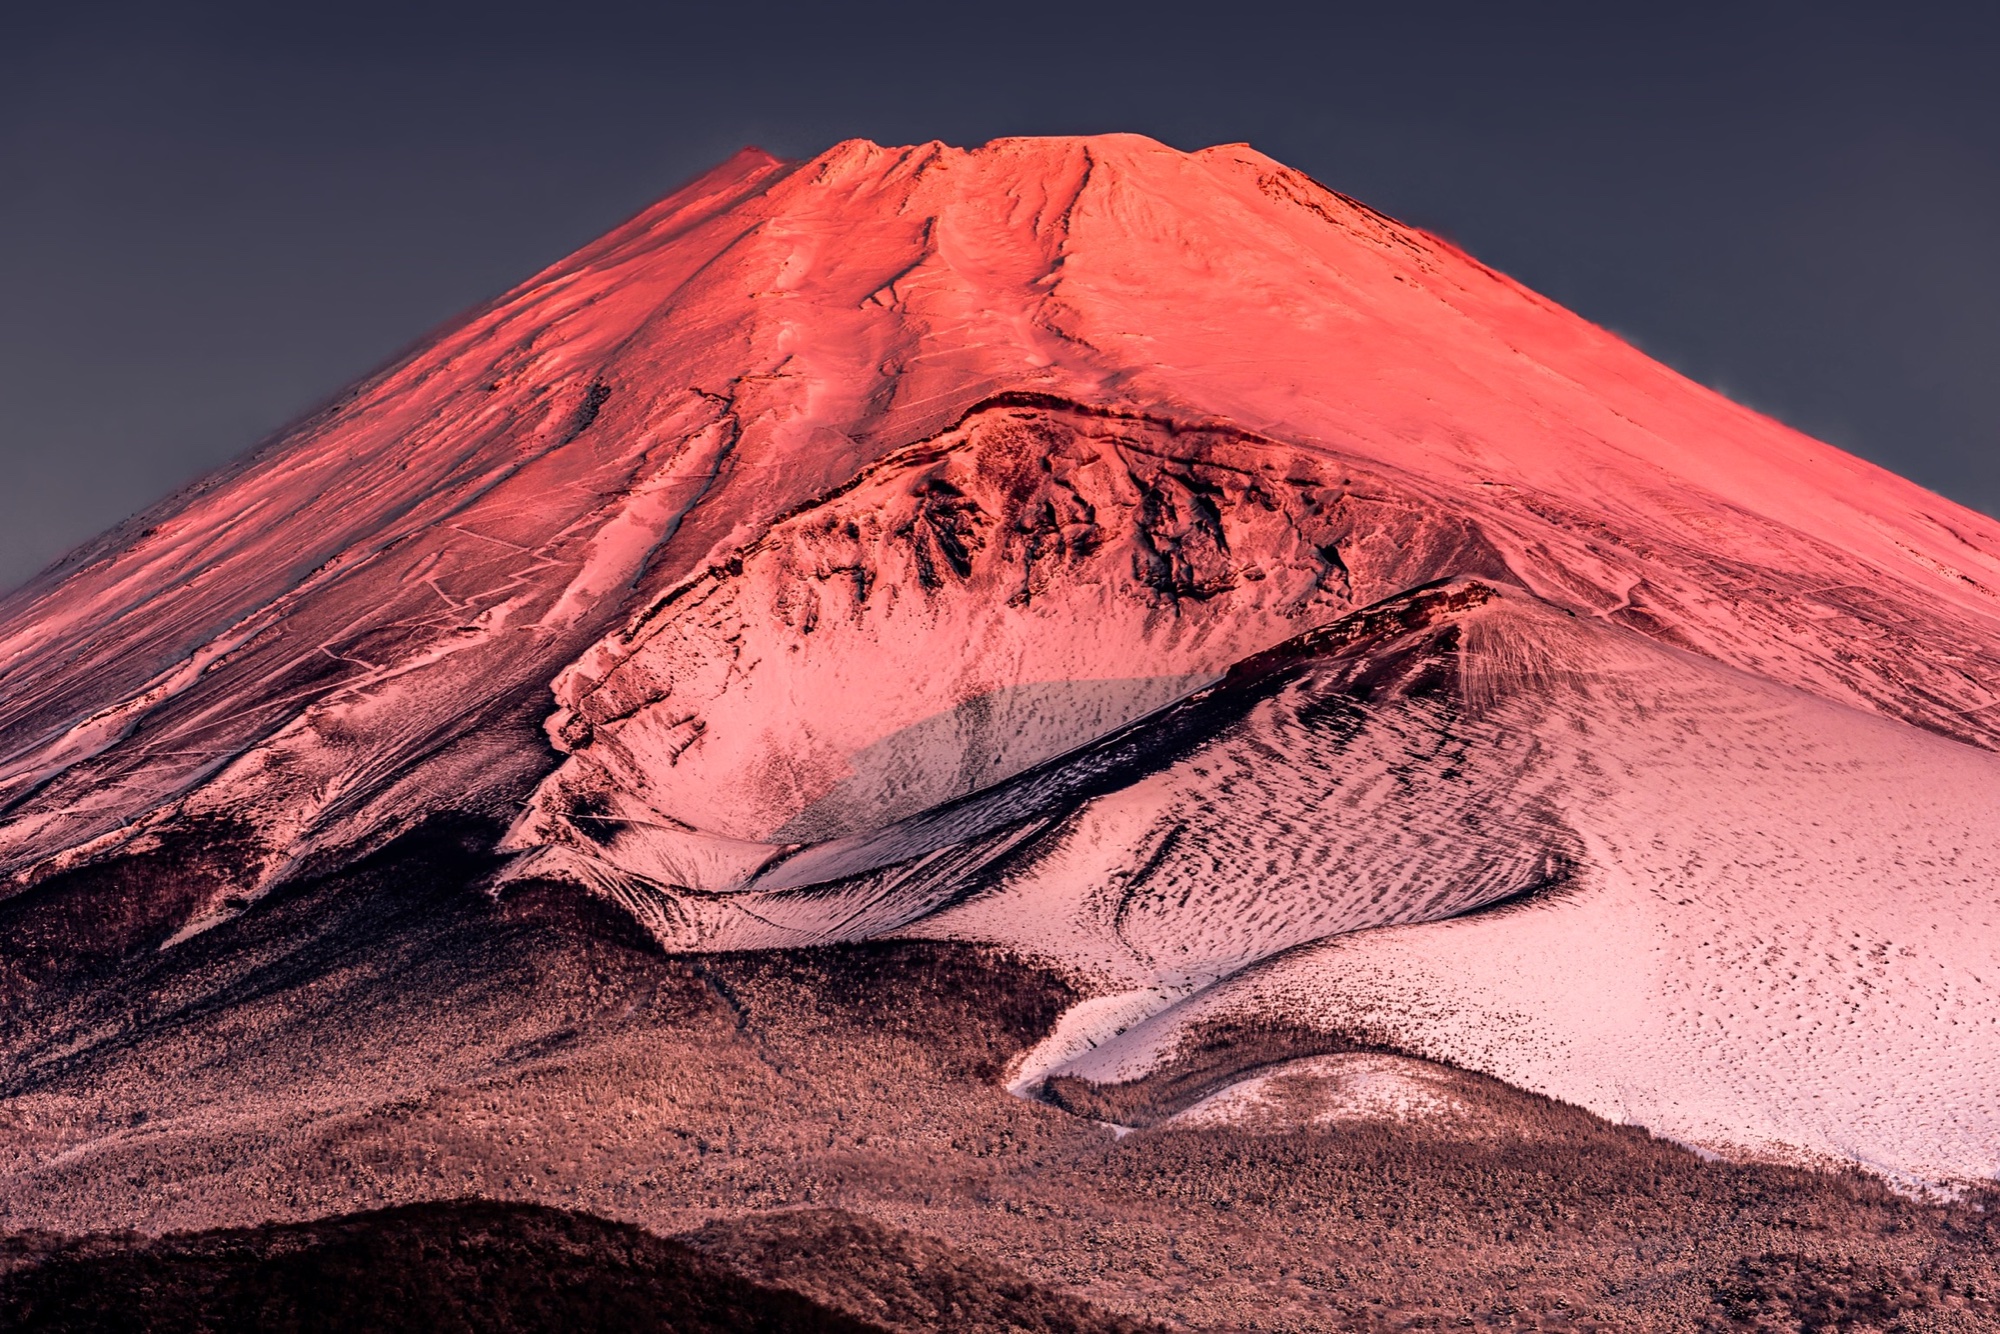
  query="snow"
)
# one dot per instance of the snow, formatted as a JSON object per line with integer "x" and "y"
{"x": 1082, "y": 1026}
{"x": 1779, "y": 939}
{"x": 1327, "y": 1090}
{"x": 823, "y": 553}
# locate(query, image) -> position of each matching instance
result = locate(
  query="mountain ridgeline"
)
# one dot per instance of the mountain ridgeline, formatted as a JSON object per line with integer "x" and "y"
{"x": 1259, "y": 674}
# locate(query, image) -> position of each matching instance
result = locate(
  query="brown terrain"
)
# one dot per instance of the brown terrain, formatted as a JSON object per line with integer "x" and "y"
{"x": 584, "y": 831}
{"x": 829, "y": 1124}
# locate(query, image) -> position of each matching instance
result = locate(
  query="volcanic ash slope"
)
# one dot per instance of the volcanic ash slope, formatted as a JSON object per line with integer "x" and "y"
{"x": 1151, "y": 561}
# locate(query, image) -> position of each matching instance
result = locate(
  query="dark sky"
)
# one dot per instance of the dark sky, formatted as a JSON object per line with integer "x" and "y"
{"x": 213, "y": 216}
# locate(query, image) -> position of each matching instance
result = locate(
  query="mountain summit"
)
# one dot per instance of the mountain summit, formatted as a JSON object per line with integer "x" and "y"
{"x": 1154, "y": 564}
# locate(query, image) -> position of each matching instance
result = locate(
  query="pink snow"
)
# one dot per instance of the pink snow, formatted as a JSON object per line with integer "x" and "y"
{"x": 624, "y": 510}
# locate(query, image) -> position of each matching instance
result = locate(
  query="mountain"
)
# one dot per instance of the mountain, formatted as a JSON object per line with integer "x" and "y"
{"x": 1284, "y": 665}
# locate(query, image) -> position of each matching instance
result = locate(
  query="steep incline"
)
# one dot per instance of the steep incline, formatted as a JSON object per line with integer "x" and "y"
{"x": 892, "y": 541}
{"x": 358, "y": 624}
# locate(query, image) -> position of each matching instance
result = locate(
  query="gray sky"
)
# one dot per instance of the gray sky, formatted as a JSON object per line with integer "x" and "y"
{"x": 212, "y": 219}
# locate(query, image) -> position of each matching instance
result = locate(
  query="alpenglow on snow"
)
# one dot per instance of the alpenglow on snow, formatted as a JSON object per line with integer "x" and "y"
{"x": 1152, "y": 562}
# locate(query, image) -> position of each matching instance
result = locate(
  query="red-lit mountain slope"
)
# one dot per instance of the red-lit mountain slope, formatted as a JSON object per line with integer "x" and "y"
{"x": 822, "y": 498}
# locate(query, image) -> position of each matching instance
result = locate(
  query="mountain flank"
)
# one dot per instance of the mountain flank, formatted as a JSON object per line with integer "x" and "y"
{"x": 1059, "y": 735}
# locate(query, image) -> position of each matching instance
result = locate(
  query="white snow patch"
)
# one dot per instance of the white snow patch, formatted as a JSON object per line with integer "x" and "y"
{"x": 1324, "y": 1090}
{"x": 1082, "y": 1027}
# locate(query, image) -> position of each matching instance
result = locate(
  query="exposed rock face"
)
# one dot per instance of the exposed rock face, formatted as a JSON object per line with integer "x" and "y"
{"x": 1151, "y": 563}
{"x": 916, "y": 638}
